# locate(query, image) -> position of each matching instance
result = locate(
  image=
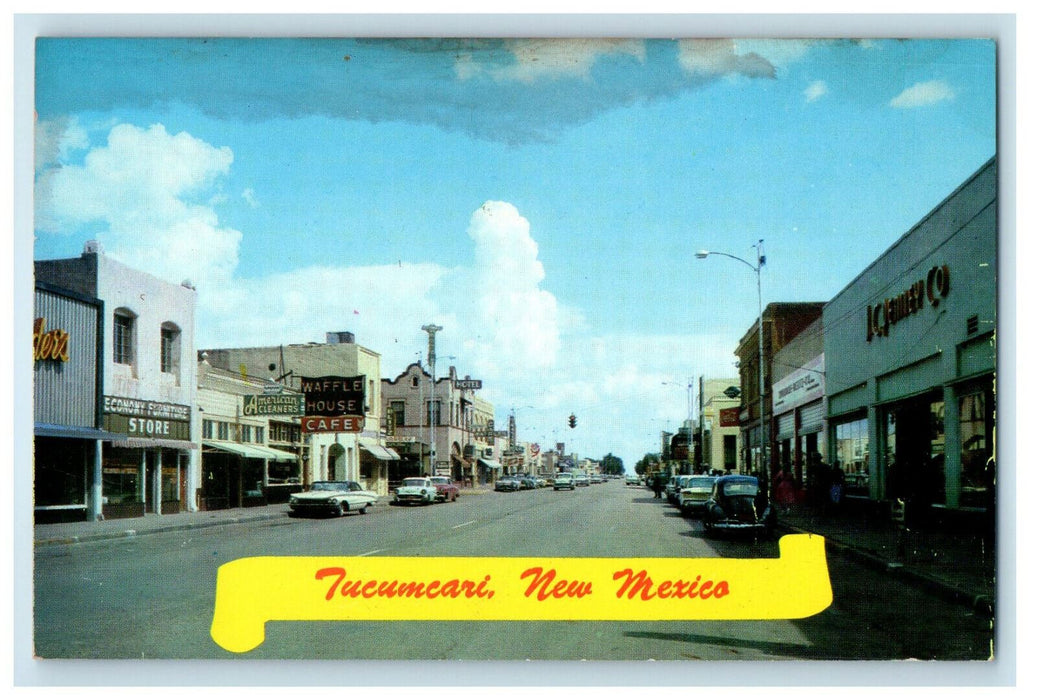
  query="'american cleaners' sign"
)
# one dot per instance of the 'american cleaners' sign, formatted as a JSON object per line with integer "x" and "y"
{"x": 273, "y": 405}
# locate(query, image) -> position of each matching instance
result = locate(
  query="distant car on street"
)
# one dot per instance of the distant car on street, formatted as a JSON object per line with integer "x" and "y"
{"x": 446, "y": 489}
{"x": 415, "y": 489}
{"x": 737, "y": 506}
{"x": 582, "y": 480}
{"x": 564, "y": 480}
{"x": 633, "y": 480}
{"x": 331, "y": 498}
{"x": 507, "y": 483}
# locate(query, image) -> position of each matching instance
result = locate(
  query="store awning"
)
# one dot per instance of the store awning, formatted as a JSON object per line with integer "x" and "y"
{"x": 75, "y": 432}
{"x": 490, "y": 464}
{"x": 237, "y": 448}
{"x": 379, "y": 452}
{"x": 394, "y": 453}
{"x": 279, "y": 455}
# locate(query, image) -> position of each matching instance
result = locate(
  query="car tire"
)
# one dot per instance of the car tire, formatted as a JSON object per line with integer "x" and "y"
{"x": 340, "y": 509}
{"x": 362, "y": 510}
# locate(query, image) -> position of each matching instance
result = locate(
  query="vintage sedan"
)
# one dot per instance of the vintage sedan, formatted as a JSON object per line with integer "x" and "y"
{"x": 507, "y": 483}
{"x": 633, "y": 480}
{"x": 736, "y": 505}
{"x": 694, "y": 494}
{"x": 446, "y": 489}
{"x": 415, "y": 489}
{"x": 582, "y": 480}
{"x": 331, "y": 498}
{"x": 564, "y": 480}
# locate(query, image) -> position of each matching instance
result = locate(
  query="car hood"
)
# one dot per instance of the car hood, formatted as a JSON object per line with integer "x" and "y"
{"x": 414, "y": 489}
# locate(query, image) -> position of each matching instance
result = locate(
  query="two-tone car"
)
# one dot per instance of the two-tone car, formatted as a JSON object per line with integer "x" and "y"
{"x": 446, "y": 489}
{"x": 415, "y": 489}
{"x": 331, "y": 498}
{"x": 694, "y": 493}
{"x": 507, "y": 483}
{"x": 564, "y": 480}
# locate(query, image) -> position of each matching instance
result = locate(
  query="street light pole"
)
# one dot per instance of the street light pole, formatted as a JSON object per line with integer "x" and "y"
{"x": 760, "y": 260}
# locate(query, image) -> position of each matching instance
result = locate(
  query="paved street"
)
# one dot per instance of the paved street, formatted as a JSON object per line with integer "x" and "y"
{"x": 152, "y": 596}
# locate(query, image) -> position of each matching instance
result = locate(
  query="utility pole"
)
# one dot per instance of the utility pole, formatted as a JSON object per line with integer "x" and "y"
{"x": 432, "y": 329}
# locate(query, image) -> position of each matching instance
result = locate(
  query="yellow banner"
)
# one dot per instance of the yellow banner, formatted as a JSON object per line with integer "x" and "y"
{"x": 252, "y": 591}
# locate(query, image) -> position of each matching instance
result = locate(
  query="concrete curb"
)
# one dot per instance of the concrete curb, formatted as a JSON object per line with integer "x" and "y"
{"x": 981, "y": 604}
{"x": 131, "y": 533}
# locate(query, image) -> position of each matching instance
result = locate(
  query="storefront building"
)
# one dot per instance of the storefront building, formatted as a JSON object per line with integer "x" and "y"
{"x": 240, "y": 468}
{"x": 67, "y": 381}
{"x": 719, "y": 438}
{"x": 910, "y": 365}
{"x": 800, "y": 408}
{"x": 149, "y": 461}
{"x": 356, "y": 452}
{"x": 782, "y": 322}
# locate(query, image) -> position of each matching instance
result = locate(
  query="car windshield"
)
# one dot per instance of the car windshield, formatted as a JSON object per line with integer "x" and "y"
{"x": 413, "y": 482}
{"x": 740, "y": 488}
{"x": 702, "y": 482}
{"x": 329, "y": 486}
{"x": 564, "y": 477}
{"x": 440, "y": 480}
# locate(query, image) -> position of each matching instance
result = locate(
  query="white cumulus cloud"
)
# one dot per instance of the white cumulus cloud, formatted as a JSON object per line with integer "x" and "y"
{"x": 141, "y": 186}
{"x": 923, "y": 95}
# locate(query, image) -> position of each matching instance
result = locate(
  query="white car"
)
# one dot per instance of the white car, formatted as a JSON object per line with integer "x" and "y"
{"x": 415, "y": 489}
{"x": 332, "y": 497}
{"x": 564, "y": 480}
{"x": 633, "y": 480}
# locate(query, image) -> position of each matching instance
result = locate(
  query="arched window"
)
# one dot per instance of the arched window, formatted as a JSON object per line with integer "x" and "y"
{"x": 124, "y": 337}
{"x": 170, "y": 350}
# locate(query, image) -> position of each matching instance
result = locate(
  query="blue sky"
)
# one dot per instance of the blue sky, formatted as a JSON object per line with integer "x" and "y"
{"x": 540, "y": 200}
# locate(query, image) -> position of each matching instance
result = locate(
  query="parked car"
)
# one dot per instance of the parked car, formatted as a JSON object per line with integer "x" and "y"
{"x": 331, "y": 498}
{"x": 526, "y": 482}
{"x": 582, "y": 480}
{"x": 672, "y": 488}
{"x": 736, "y": 505}
{"x": 695, "y": 493}
{"x": 415, "y": 489}
{"x": 507, "y": 483}
{"x": 564, "y": 480}
{"x": 446, "y": 489}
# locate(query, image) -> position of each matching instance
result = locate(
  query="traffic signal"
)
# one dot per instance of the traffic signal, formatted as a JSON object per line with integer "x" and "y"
{"x": 572, "y": 420}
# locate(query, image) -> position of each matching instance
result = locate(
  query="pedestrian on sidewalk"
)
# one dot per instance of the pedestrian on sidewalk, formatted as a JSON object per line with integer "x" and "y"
{"x": 657, "y": 485}
{"x": 785, "y": 489}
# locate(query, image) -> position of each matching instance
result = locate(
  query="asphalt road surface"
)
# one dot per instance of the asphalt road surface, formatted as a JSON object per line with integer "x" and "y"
{"x": 152, "y": 597}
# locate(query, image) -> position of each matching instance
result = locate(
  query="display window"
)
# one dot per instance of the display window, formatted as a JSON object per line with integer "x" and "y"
{"x": 976, "y": 417}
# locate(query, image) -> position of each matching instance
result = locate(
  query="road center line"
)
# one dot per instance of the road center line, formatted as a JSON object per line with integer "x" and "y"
{"x": 373, "y": 551}
{"x": 462, "y": 524}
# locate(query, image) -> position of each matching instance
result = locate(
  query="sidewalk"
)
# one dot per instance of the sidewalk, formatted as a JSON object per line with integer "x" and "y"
{"x": 960, "y": 567}
{"x": 72, "y": 533}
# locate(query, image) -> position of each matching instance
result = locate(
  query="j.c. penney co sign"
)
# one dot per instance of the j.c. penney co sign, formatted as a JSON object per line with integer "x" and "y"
{"x": 928, "y": 291}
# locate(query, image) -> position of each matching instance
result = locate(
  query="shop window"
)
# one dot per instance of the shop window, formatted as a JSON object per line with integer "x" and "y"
{"x": 120, "y": 484}
{"x": 207, "y": 429}
{"x": 223, "y": 430}
{"x": 246, "y": 433}
{"x": 170, "y": 352}
{"x": 851, "y": 454}
{"x": 123, "y": 327}
{"x": 977, "y": 473}
{"x": 260, "y": 434}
